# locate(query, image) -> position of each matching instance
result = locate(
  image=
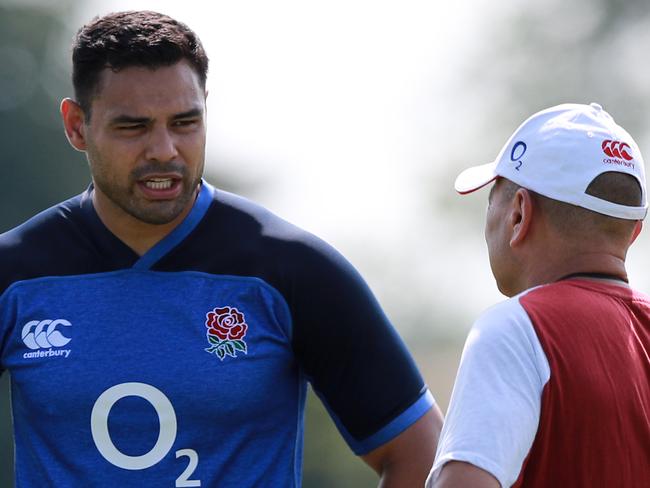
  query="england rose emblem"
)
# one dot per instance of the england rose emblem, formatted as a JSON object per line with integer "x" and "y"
{"x": 226, "y": 331}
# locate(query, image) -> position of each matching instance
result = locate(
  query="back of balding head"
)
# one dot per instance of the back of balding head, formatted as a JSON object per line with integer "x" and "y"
{"x": 578, "y": 224}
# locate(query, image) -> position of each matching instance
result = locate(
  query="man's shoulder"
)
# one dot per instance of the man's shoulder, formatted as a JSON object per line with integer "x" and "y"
{"x": 45, "y": 238}
{"x": 238, "y": 213}
{"x": 580, "y": 294}
{"x": 507, "y": 326}
{"x": 253, "y": 228}
{"x": 502, "y": 316}
{"x": 549, "y": 299}
{"x": 40, "y": 224}
{"x": 238, "y": 237}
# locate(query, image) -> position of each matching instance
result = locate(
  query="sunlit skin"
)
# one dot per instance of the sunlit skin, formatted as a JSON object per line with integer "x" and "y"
{"x": 526, "y": 250}
{"x": 405, "y": 461}
{"x": 501, "y": 221}
{"x": 145, "y": 144}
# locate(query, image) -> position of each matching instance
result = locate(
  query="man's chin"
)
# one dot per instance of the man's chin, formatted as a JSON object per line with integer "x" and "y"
{"x": 159, "y": 213}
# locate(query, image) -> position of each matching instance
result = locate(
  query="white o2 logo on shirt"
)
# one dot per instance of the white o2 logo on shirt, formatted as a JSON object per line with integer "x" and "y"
{"x": 166, "y": 435}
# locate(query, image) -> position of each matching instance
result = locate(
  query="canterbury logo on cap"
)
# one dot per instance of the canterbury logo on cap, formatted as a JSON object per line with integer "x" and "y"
{"x": 617, "y": 149}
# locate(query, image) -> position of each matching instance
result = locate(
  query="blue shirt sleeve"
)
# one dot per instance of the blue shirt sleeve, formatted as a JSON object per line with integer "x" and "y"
{"x": 357, "y": 363}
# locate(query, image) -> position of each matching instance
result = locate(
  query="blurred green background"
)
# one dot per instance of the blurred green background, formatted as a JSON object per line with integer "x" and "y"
{"x": 494, "y": 67}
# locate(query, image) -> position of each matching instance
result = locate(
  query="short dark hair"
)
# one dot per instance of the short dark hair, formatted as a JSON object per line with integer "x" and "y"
{"x": 133, "y": 38}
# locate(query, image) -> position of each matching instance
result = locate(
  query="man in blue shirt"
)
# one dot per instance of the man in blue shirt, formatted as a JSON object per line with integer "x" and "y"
{"x": 161, "y": 332}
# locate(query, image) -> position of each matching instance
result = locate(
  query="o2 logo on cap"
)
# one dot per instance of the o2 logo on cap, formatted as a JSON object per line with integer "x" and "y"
{"x": 517, "y": 152}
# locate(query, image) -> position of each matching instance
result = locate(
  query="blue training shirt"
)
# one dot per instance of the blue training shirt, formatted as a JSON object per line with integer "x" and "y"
{"x": 188, "y": 366}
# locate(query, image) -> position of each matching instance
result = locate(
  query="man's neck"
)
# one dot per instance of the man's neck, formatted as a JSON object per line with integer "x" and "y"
{"x": 138, "y": 235}
{"x": 552, "y": 270}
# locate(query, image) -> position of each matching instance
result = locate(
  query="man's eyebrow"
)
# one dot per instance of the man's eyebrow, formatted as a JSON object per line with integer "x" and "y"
{"x": 195, "y": 112}
{"x": 127, "y": 119}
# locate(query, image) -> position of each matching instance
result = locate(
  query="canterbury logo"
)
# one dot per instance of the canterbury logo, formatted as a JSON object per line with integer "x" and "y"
{"x": 43, "y": 334}
{"x": 617, "y": 149}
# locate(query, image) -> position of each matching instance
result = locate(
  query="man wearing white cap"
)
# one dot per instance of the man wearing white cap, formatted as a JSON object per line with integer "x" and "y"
{"x": 553, "y": 388}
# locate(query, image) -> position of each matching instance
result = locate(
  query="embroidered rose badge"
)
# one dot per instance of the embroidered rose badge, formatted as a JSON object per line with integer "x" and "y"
{"x": 226, "y": 331}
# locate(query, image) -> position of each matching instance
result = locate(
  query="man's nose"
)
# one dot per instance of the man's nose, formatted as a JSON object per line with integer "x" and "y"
{"x": 161, "y": 145}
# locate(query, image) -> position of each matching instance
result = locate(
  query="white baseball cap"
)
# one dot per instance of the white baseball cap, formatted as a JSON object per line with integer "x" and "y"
{"x": 559, "y": 151}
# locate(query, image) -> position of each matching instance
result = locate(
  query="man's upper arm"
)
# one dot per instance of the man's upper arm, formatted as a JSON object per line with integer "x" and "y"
{"x": 405, "y": 460}
{"x": 496, "y": 401}
{"x": 457, "y": 474}
{"x": 356, "y": 362}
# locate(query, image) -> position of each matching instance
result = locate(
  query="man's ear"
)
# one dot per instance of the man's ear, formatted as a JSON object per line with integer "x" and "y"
{"x": 74, "y": 123}
{"x": 637, "y": 231}
{"x": 521, "y": 215}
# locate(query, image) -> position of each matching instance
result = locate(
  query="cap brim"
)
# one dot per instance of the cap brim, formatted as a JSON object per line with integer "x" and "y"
{"x": 475, "y": 177}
